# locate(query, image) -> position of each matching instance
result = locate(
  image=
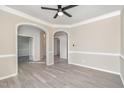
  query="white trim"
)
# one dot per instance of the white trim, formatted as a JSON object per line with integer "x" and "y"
{"x": 36, "y": 62}
{"x": 105, "y": 16}
{"x": 94, "y": 53}
{"x": 96, "y": 68}
{"x": 24, "y": 35}
{"x": 122, "y": 57}
{"x": 121, "y": 75}
{"x": 24, "y": 15}
{"x": 122, "y": 79}
{"x": 68, "y": 35}
{"x": 47, "y": 41}
{"x": 8, "y": 55}
{"x": 51, "y": 51}
{"x": 29, "y": 17}
{"x": 5, "y": 77}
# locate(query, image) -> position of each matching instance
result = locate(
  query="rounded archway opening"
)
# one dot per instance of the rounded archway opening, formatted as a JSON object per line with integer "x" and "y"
{"x": 60, "y": 47}
{"x": 31, "y": 44}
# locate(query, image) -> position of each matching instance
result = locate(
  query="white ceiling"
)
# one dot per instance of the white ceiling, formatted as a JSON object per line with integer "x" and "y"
{"x": 79, "y": 13}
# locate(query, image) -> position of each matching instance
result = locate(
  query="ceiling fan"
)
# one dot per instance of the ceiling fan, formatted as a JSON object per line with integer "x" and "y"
{"x": 60, "y": 10}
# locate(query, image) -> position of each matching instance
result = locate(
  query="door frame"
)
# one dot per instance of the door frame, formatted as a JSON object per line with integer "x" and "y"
{"x": 68, "y": 36}
{"x": 47, "y": 40}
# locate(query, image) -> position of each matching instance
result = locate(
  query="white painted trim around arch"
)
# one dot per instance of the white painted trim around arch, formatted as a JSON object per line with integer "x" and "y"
{"x": 47, "y": 40}
{"x": 60, "y": 30}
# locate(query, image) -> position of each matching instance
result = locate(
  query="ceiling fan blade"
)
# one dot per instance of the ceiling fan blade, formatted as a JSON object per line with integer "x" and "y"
{"x": 68, "y": 7}
{"x": 55, "y": 15}
{"x": 67, "y": 14}
{"x": 49, "y": 8}
{"x": 59, "y": 6}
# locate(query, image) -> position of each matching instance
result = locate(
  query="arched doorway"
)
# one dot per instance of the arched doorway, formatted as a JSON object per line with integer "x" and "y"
{"x": 32, "y": 34}
{"x": 60, "y": 47}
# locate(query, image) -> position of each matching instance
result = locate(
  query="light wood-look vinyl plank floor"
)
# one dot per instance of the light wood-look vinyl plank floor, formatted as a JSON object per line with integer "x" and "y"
{"x": 60, "y": 75}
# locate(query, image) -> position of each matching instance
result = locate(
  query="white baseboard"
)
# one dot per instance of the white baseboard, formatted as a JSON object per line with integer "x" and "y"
{"x": 122, "y": 79}
{"x": 37, "y": 62}
{"x": 103, "y": 70}
{"x": 5, "y": 77}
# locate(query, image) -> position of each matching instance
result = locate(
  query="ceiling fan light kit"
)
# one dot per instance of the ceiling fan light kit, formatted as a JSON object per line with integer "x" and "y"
{"x": 61, "y": 10}
{"x": 60, "y": 13}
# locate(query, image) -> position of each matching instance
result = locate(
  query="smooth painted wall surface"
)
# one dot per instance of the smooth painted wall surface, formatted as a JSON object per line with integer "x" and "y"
{"x": 42, "y": 44}
{"x": 8, "y": 25}
{"x": 7, "y": 66}
{"x": 99, "y": 36}
{"x": 63, "y": 47}
{"x": 102, "y": 36}
{"x": 122, "y": 46}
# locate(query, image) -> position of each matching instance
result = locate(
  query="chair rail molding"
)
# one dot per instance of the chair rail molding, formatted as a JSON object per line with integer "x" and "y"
{"x": 95, "y": 53}
{"x": 7, "y": 55}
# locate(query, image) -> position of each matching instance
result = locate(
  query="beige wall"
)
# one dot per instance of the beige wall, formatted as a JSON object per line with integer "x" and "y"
{"x": 8, "y": 23}
{"x": 43, "y": 44}
{"x": 102, "y": 36}
{"x": 122, "y": 46}
{"x": 7, "y": 66}
{"x": 122, "y": 33}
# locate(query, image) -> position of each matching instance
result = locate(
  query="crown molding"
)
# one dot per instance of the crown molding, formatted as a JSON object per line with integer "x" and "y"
{"x": 21, "y": 14}
{"x": 98, "y": 18}
{"x": 61, "y": 26}
{"x": 29, "y": 17}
